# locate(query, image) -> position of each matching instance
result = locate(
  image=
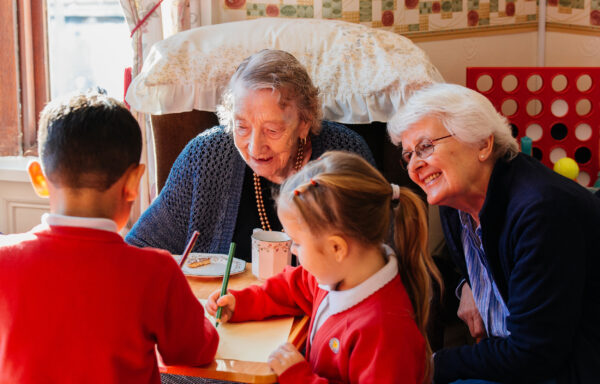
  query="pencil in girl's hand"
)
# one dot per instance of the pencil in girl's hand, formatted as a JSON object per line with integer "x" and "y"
{"x": 188, "y": 248}
{"x": 225, "y": 280}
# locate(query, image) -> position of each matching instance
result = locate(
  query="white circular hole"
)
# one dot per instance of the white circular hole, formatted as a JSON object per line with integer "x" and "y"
{"x": 534, "y": 107}
{"x": 583, "y": 107}
{"x": 534, "y": 131}
{"x": 509, "y": 83}
{"x": 559, "y": 108}
{"x": 557, "y": 154}
{"x": 509, "y": 107}
{"x": 534, "y": 83}
{"x": 484, "y": 83}
{"x": 559, "y": 83}
{"x": 584, "y": 83}
{"x": 583, "y": 132}
{"x": 583, "y": 178}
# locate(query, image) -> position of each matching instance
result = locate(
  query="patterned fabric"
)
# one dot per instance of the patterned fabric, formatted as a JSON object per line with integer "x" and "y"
{"x": 181, "y": 15}
{"x": 204, "y": 188}
{"x": 485, "y": 292}
{"x": 355, "y": 67}
{"x": 177, "y": 17}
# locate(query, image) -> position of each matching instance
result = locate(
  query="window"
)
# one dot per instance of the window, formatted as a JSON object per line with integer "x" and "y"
{"x": 51, "y": 48}
{"x": 23, "y": 86}
{"x": 89, "y": 46}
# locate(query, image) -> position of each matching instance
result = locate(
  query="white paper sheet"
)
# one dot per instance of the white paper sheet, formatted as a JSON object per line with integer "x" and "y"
{"x": 252, "y": 340}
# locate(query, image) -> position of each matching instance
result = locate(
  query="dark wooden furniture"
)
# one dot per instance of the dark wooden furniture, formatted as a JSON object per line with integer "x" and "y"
{"x": 173, "y": 131}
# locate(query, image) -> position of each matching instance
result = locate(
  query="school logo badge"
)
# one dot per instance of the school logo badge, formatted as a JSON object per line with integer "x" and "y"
{"x": 334, "y": 344}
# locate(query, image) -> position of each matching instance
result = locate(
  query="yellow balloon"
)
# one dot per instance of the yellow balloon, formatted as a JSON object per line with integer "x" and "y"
{"x": 567, "y": 167}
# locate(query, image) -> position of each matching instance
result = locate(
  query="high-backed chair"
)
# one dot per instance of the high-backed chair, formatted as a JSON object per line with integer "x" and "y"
{"x": 173, "y": 131}
{"x": 363, "y": 74}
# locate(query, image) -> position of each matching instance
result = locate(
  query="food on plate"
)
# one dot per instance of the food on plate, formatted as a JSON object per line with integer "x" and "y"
{"x": 199, "y": 262}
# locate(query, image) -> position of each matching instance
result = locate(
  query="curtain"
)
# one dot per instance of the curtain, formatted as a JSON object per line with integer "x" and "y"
{"x": 151, "y": 21}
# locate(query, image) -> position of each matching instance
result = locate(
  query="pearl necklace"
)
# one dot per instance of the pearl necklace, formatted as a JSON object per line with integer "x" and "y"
{"x": 262, "y": 214}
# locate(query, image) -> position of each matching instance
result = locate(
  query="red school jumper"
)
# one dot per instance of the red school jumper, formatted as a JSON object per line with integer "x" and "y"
{"x": 375, "y": 341}
{"x": 79, "y": 305}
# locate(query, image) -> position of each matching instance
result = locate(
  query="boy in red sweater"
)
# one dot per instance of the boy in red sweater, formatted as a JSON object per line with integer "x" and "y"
{"x": 77, "y": 304}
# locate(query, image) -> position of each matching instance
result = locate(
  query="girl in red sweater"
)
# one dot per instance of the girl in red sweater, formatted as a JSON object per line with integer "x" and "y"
{"x": 368, "y": 302}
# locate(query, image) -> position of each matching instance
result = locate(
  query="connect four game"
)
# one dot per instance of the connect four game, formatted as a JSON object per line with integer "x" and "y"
{"x": 558, "y": 108}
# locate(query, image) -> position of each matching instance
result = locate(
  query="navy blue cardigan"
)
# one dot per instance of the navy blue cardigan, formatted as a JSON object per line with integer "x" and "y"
{"x": 541, "y": 236}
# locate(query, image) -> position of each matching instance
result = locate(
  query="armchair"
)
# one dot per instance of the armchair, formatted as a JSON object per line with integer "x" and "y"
{"x": 363, "y": 74}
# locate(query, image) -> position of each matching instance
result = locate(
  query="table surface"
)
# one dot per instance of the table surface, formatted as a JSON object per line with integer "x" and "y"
{"x": 235, "y": 370}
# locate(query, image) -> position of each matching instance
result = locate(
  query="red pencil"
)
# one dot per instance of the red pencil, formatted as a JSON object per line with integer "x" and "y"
{"x": 188, "y": 247}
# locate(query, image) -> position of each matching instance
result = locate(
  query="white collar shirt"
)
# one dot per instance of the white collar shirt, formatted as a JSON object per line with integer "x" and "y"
{"x": 54, "y": 219}
{"x": 339, "y": 301}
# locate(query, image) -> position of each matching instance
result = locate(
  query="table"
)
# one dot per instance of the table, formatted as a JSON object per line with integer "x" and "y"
{"x": 234, "y": 370}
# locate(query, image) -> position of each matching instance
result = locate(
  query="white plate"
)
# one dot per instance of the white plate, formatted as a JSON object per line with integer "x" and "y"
{"x": 217, "y": 265}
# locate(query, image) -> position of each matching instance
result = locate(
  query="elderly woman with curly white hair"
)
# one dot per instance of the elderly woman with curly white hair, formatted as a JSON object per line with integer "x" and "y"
{"x": 526, "y": 240}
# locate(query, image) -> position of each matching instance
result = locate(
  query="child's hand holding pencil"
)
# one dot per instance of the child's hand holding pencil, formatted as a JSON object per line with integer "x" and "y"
{"x": 226, "y": 302}
{"x": 223, "y": 292}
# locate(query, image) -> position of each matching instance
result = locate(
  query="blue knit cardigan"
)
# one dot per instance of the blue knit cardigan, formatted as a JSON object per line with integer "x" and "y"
{"x": 204, "y": 188}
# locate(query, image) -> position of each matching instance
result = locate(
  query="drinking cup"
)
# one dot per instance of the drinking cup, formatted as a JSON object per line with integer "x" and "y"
{"x": 271, "y": 252}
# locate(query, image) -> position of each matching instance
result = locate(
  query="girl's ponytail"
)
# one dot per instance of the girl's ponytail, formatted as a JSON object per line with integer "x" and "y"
{"x": 415, "y": 264}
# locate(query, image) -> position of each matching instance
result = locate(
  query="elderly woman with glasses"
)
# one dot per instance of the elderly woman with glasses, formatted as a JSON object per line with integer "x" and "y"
{"x": 526, "y": 240}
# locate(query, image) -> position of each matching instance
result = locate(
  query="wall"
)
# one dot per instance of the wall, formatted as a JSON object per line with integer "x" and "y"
{"x": 562, "y": 49}
{"x": 453, "y": 56}
{"x": 572, "y": 49}
{"x": 20, "y": 207}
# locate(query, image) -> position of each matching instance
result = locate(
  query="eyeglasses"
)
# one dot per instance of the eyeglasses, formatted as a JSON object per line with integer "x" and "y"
{"x": 423, "y": 149}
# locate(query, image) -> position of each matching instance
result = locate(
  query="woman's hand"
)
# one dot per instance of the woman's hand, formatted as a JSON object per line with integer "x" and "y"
{"x": 284, "y": 357}
{"x": 468, "y": 312}
{"x": 226, "y": 301}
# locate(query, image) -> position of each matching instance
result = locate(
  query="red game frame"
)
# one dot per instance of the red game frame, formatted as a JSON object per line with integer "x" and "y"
{"x": 568, "y": 122}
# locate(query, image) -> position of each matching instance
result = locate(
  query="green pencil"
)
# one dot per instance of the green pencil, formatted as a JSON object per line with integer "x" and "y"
{"x": 225, "y": 280}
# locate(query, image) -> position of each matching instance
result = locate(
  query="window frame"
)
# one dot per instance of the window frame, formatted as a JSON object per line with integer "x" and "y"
{"x": 24, "y": 86}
